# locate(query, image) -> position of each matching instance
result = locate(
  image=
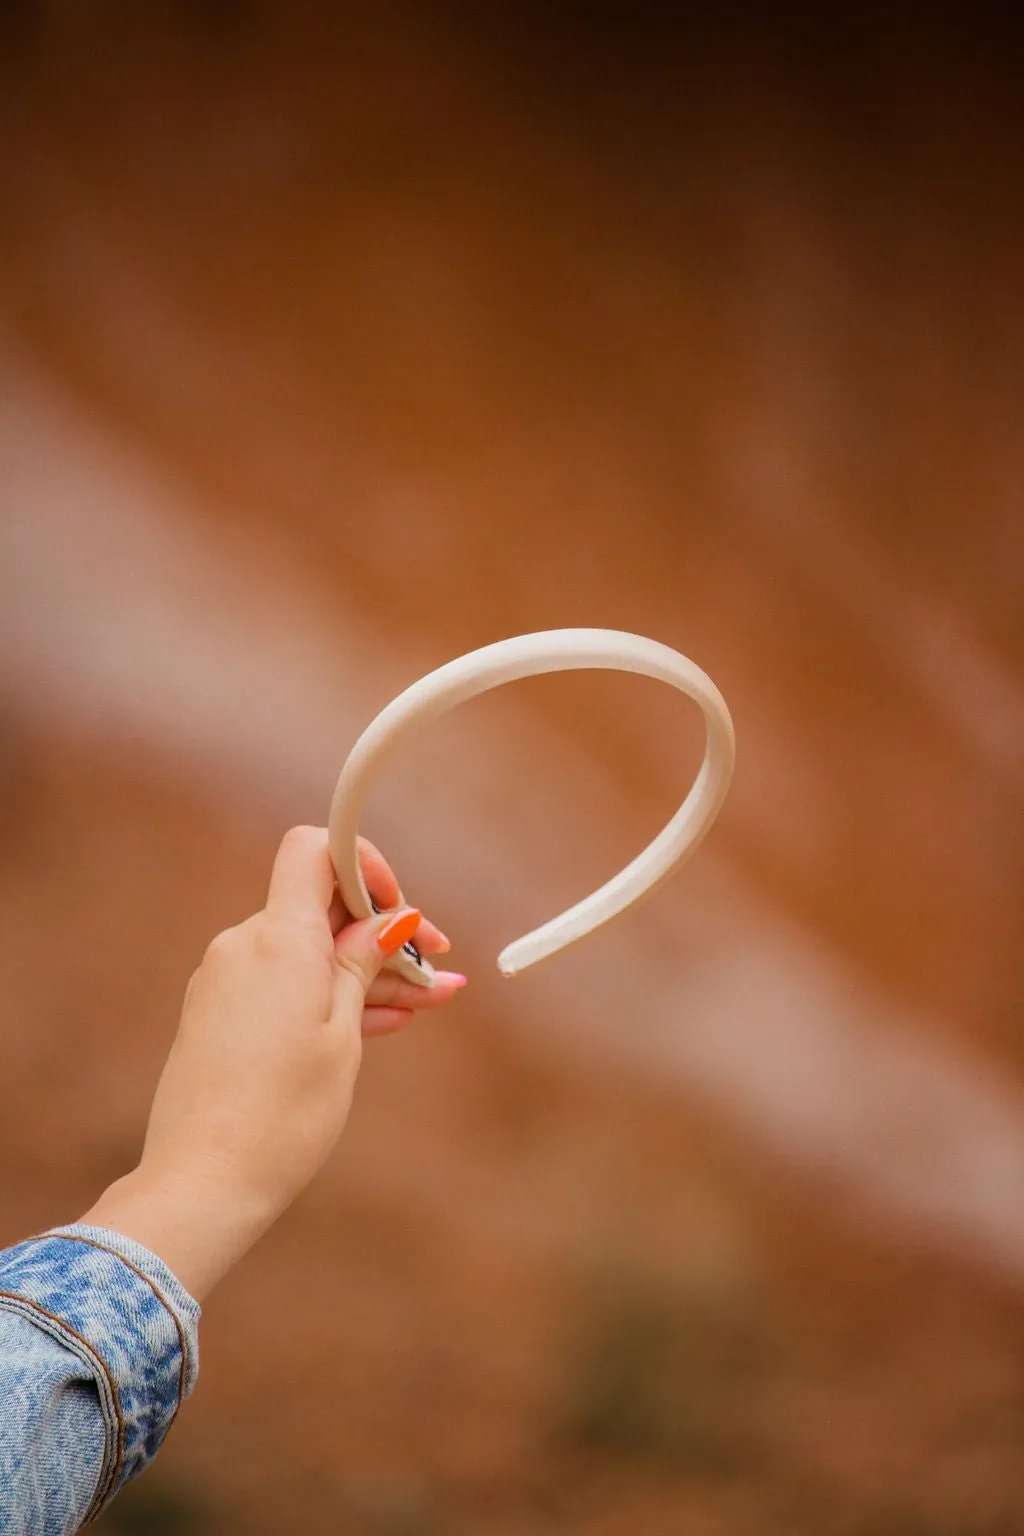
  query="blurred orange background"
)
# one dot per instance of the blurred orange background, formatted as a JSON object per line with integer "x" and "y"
{"x": 337, "y": 341}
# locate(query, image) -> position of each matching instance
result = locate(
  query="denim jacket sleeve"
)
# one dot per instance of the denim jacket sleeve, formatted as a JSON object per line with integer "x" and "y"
{"x": 98, "y": 1349}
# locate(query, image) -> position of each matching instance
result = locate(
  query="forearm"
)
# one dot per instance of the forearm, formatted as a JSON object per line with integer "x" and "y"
{"x": 257, "y": 1087}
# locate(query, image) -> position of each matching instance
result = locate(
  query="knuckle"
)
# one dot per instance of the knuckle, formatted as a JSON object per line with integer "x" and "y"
{"x": 302, "y": 838}
{"x": 223, "y": 949}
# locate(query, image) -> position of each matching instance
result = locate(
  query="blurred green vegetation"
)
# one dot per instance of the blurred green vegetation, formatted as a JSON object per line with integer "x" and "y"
{"x": 394, "y": 1509}
{"x": 150, "y": 1507}
{"x": 661, "y": 1372}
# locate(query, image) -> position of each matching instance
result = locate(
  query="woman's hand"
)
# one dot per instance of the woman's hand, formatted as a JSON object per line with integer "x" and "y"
{"x": 259, "y": 1080}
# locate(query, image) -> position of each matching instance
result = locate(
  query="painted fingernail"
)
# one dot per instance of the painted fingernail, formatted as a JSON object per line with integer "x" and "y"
{"x": 399, "y": 930}
{"x": 454, "y": 978}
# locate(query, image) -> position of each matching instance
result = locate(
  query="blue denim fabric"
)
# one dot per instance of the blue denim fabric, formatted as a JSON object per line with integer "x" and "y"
{"x": 98, "y": 1349}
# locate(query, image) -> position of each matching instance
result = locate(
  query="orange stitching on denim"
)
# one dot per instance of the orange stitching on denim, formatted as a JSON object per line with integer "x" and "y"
{"x": 68, "y": 1237}
{"x": 98, "y": 1497}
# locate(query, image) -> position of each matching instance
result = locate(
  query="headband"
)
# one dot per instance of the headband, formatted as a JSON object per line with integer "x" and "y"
{"x": 553, "y": 650}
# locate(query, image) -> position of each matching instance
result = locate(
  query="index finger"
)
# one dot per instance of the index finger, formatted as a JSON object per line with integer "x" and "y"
{"x": 379, "y": 876}
{"x": 383, "y": 886}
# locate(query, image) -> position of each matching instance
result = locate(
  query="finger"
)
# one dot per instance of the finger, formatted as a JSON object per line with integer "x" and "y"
{"x": 361, "y": 948}
{"x": 385, "y": 1021}
{"x": 379, "y": 876}
{"x": 302, "y": 881}
{"x": 383, "y": 886}
{"x": 429, "y": 940}
{"x": 392, "y": 991}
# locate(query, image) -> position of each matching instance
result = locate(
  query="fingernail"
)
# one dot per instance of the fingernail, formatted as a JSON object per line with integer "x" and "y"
{"x": 445, "y": 943}
{"x": 399, "y": 930}
{"x": 456, "y": 979}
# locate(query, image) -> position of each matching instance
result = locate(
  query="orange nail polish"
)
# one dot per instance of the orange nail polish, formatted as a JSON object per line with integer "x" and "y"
{"x": 399, "y": 930}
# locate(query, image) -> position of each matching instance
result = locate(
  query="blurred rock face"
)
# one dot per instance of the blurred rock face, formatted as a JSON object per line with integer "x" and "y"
{"x": 333, "y": 345}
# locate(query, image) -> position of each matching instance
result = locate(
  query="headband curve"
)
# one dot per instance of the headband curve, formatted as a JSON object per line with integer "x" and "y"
{"x": 553, "y": 650}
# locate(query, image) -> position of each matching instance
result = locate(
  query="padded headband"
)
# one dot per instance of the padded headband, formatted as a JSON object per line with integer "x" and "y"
{"x": 554, "y": 650}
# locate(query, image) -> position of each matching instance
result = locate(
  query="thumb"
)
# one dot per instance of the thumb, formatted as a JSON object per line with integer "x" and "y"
{"x": 362, "y": 948}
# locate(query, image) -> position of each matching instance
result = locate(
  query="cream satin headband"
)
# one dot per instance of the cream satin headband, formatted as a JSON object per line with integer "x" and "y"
{"x": 553, "y": 650}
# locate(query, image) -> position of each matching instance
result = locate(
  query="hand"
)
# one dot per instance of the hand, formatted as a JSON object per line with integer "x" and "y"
{"x": 258, "y": 1083}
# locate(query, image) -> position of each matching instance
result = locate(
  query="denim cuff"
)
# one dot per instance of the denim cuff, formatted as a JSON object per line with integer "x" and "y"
{"x": 120, "y": 1310}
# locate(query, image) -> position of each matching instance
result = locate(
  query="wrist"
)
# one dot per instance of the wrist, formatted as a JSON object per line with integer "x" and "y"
{"x": 191, "y": 1221}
